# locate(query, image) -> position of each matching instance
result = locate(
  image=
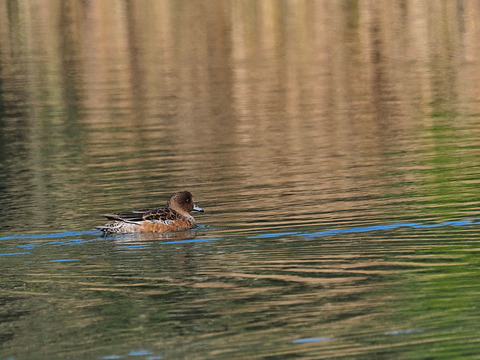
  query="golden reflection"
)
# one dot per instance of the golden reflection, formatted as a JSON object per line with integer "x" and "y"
{"x": 311, "y": 97}
{"x": 148, "y": 237}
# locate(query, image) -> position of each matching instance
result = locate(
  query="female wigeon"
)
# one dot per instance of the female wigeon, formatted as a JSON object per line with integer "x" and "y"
{"x": 175, "y": 216}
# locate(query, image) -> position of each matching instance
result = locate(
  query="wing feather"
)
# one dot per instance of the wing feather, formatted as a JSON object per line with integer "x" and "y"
{"x": 129, "y": 216}
{"x": 163, "y": 215}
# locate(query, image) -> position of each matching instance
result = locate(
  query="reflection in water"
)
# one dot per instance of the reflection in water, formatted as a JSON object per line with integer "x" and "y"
{"x": 331, "y": 289}
{"x": 149, "y": 99}
{"x": 334, "y": 143}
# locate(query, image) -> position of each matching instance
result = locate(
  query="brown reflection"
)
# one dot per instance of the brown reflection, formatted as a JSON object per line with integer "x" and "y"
{"x": 291, "y": 100}
{"x": 146, "y": 237}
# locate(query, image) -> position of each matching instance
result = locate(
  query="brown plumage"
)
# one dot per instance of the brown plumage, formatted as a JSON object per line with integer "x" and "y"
{"x": 175, "y": 216}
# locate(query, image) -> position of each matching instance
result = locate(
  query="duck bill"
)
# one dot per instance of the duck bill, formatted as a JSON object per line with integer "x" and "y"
{"x": 198, "y": 208}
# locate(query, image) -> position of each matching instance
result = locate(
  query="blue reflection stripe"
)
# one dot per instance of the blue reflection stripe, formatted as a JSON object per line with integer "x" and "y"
{"x": 29, "y": 246}
{"x": 17, "y": 253}
{"x": 366, "y": 229}
{"x": 63, "y": 260}
{"x": 60, "y": 260}
{"x": 132, "y": 246}
{"x": 359, "y": 230}
{"x": 33, "y": 245}
{"x": 190, "y": 241}
{"x": 447, "y": 223}
{"x": 52, "y": 235}
{"x": 309, "y": 340}
{"x": 140, "y": 353}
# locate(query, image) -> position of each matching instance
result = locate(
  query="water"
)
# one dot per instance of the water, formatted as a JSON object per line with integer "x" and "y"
{"x": 334, "y": 146}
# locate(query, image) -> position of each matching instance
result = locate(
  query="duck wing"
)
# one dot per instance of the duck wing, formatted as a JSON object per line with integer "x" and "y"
{"x": 160, "y": 215}
{"x": 153, "y": 215}
{"x": 129, "y": 216}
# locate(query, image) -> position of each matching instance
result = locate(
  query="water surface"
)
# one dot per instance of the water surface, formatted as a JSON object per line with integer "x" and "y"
{"x": 334, "y": 146}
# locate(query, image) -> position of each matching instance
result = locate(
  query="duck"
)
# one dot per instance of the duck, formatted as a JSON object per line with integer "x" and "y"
{"x": 175, "y": 216}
